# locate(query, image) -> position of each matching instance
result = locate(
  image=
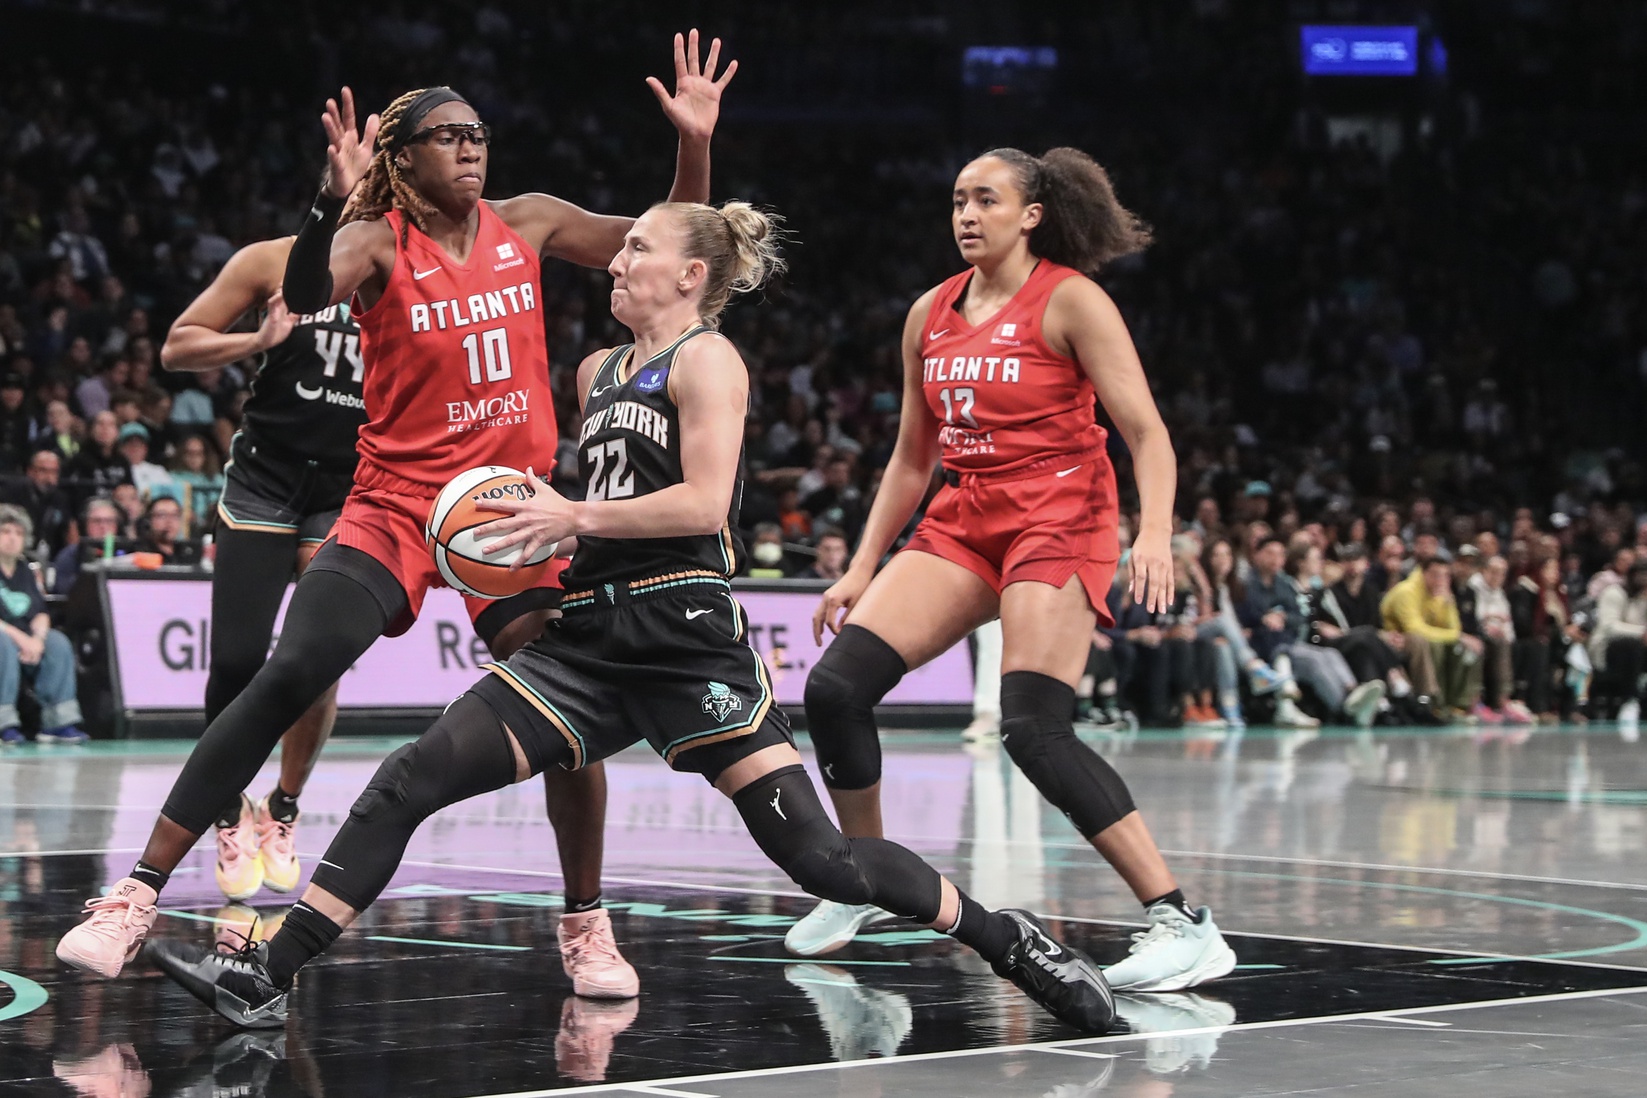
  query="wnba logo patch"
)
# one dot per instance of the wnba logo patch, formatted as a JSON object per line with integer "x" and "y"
{"x": 720, "y": 701}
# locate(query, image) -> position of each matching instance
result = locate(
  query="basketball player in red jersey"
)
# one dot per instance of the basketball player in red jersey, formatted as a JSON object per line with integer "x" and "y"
{"x": 445, "y": 289}
{"x": 1001, "y": 365}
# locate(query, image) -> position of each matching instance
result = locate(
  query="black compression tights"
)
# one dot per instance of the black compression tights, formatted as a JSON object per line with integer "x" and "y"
{"x": 250, "y": 579}
{"x": 464, "y": 754}
{"x": 332, "y": 620}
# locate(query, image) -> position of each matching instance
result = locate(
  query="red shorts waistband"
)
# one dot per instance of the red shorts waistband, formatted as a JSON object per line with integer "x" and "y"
{"x": 956, "y": 477}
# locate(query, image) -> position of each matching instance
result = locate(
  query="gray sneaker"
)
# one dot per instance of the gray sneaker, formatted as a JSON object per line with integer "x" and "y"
{"x": 1176, "y": 952}
{"x": 236, "y": 985}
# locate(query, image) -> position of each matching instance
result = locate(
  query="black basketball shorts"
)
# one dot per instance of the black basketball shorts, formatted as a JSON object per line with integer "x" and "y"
{"x": 663, "y": 659}
{"x": 269, "y": 490}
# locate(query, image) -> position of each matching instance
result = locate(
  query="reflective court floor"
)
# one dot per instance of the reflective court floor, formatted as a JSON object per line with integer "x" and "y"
{"x": 1415, "y": 912}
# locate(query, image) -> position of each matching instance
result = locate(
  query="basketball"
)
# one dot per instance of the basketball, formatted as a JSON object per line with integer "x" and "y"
{"x": 456, "y": 515}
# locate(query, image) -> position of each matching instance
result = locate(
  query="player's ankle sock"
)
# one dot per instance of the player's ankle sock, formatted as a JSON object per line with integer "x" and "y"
{"x": 305, "y": 935}
{"x": 149, "y": 875}
{"x": 282, "y": 805}
{"x": 1176, "y": 899}
{"x": 575, "y": 906}
{"x": 988, "y": 932}
{"x": 230, "y": 816}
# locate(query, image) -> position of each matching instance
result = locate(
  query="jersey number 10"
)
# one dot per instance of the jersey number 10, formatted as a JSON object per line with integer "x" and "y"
{"x": 496, "y": 344}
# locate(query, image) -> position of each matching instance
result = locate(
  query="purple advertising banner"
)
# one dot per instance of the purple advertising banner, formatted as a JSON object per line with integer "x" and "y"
{"x": 161, "y": 640}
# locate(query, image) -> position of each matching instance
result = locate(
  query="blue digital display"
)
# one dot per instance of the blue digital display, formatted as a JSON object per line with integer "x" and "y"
{"x": 1360, "y": 51}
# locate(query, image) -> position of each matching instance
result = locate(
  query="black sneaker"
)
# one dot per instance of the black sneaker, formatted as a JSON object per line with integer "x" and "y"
{"x": 235, "y": 984}
{"x": 1062, "y": 980}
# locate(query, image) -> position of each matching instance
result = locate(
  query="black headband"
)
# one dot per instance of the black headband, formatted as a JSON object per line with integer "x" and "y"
{"x": 417, "y": 112}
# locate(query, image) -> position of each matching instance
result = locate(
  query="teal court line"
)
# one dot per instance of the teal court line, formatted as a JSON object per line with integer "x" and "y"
{"x": 27, "y": 996}
{"x": 454, "y": 945}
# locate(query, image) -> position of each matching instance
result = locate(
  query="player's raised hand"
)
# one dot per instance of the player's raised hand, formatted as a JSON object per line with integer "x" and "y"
{"x": 547, "y": 518}
{"x": 348, "y": 149}
{"x": 696, "y": 104}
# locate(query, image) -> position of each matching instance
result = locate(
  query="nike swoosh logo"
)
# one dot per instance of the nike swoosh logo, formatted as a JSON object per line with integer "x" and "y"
{"x": 419, "y": 276}
{"x": 1067, "y": 472}
{"x": 939, "y": 335}
{"x": 316, "y": 211}
{"x": 690, "y": 614}
{"x": 598, "y": 392}
{"x": 307, "y": 393}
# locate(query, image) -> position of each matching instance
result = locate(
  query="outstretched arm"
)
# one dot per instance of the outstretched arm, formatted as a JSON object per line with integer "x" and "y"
{"x": 200, "y": 339}
{"x": 327, "y": 265}
{"x": 565, "y": 231}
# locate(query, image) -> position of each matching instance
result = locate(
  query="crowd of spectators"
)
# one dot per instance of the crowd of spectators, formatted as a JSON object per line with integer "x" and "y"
{"x": 1342, "y": 323}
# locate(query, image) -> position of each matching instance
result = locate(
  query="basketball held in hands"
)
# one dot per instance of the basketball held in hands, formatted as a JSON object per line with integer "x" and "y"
{"x": 459, "y": 511}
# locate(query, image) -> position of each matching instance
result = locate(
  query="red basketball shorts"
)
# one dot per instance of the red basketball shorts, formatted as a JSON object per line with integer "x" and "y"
{"x": 1045, "y": 524}
{"x": 390, "y": 527}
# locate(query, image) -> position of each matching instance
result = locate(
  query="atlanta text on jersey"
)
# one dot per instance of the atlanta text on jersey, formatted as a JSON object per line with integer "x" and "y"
{"x": 491, "y": 305}
{"x": 971, "y": 368}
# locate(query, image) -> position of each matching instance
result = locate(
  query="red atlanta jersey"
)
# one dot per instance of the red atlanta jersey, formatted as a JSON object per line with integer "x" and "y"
{"x": 457, "y": 367}
{"x": 1005, "y": 398}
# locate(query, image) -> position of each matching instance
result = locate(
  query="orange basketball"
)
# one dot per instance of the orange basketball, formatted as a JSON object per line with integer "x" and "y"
{"x": 453, "y": 520}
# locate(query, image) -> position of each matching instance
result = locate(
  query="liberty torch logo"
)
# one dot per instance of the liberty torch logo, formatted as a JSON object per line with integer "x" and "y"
{"x": 720, "y": 701}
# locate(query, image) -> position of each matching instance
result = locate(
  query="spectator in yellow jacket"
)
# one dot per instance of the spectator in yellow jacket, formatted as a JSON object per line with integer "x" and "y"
{"x": 1443, "y": 661}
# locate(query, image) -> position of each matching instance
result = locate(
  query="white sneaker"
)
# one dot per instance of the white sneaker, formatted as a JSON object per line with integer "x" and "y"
{"x": 1288, "y": 715}
{"x": 1174, "y": 953}
{"x": 985, "y": 726}
{"x": 1629, "y": 715}
{"x": 861, "y": 1022}
{"x": 1169, "y": 1015}
{"x": 830, "y": 926}
{"x": 1363, "y": 702}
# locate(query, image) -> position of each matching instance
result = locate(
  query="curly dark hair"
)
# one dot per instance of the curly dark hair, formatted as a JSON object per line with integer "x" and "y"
{"x": 383, "y": 188}
{"x": 1083, "y": 225}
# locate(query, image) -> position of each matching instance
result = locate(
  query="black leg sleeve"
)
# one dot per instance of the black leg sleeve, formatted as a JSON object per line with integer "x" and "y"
{"x": 464, "y": 754}
{"x": 250, "y": 579}
{"x": 789, "y": 824}
{"x": 331, "y": 621}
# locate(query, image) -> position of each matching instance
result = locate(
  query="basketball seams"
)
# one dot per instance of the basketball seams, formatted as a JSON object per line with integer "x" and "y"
{"x": 458, "y": 554}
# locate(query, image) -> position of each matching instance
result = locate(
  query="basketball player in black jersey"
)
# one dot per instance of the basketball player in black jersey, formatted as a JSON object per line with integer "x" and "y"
{"x": 650, "y": 645}
{"x": 291, "y": 464}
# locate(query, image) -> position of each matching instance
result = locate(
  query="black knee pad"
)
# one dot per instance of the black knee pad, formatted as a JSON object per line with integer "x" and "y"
{"x": 842, "y": 690}
{"x": 788, "y": 823}
{"x": 386, "y": 795}
{"x": 1068, "y": 773}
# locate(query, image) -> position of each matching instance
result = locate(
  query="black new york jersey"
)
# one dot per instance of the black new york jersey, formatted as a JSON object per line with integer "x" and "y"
{"x": 630, "y": 447}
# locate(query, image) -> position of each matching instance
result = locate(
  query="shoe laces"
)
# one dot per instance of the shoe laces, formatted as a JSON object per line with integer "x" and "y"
{"x": 277, "y": 834}
{"x": 594, "y": 942}
{"x": 243, "y": 957}
{"x": 110, "y": 914}
{"x": 231, "y": 843}
{"x": 1168, "y": 926}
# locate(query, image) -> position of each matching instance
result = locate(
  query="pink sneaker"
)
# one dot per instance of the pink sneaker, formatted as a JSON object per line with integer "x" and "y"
{"x": 1486, "y": 714}
{"x": 112, "y": 936}
{"x": 1516, "y": 713}
{"x": 239, "y": 869}
{"x": 277, "y": 849}
{"x": 583, "y": 1045}
{"x": 590, "y": 956}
